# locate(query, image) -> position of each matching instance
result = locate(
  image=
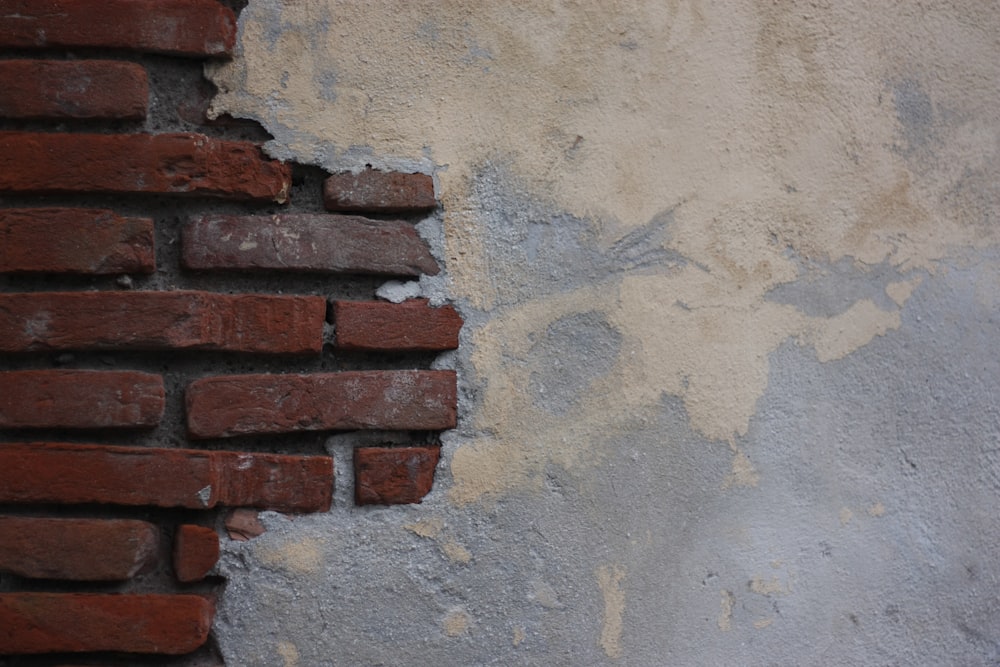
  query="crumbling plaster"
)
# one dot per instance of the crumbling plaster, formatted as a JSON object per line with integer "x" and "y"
{"x": 713, "y": 258}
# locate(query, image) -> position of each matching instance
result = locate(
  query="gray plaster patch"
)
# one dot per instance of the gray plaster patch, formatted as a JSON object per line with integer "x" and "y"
{"x": 826, "y": 290}
{"x": 914, "y": 112}
{"x": 573, "y": 352}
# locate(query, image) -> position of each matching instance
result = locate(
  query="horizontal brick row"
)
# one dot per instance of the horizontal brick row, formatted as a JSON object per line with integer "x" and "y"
{"x": 181, "y": 163}
{"x": 76, "y": 549}
{"x": 161, "y": 321}
{"x": 73, "y": 474}
{"x": 196, "y": 551}
{"x": 80, "y": 399}
{"x": 176, "y": 27}
{"x": 33, "y": 623}
{"x": 306, "y": 242}
{"x": 393, "y": 475}
{"x": 72, "y": 90}
{"x": 232, "y": 405}
{"x": 378, "y": 326}
{"x": 375, "y": 191}
{"x": 74, "y": 240}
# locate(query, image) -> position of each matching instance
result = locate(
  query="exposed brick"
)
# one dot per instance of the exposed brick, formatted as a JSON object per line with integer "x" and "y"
{"x": 182, "y": 163}
{"x": 161, "y": 321}
{"x": 393, "y": 475}
{"x": 393, "y": 400}
{"x": 177, "y": 27}
{"x": 83, "y": 622}
{"x": 389, "y": 327}
{"x": 244, "y": 524}
{"x": 74, "y": 240}
{"x": 303, "y": 242}
{"x": 197, "y": 479}
{"x": 379, "y": 192}
{"x": 80, "y": 399}
{"x": 68, "y": 89}
{"x": 76, "y": 549}
{"x": 196, "y": 551}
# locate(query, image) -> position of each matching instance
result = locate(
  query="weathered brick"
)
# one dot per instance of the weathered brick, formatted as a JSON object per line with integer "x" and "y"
{"x": 182, "y": 163}
{"x": 196, "y": 551}
{"x": 393, "y": 475}
{"x": 304, "y": 242}
{"x": 84, "y": 622}
{"x": 196, "y": 479}
{"x": 161, "y": 321}
{"x": 393, "y": 400}
{"x": 244, "y": 524}
{"x": 72, "y": 89}
{"x": 377, "y": 191}
{"x": 76, "y": 549}
{"x": 80, "y": 399}
{"x": 389, "y": 327}
{"x": 177, "y": 27}
{"x": 74, "y": 240}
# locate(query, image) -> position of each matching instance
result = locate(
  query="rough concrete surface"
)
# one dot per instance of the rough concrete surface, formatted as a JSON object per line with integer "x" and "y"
{"x": 730, "y": 279}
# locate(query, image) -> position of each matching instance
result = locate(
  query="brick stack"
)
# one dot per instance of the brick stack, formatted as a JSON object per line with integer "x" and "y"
{"x": 117, "y": 397}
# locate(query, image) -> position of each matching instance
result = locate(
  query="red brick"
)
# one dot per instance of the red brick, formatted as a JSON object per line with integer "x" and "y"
{"x": 80, "y": 399}
{"x": 72, "y": 89}
{"x": 393, "y": 475}
{"x": 178, "y": 27}
{"x": 64, "y": 163}
{"x": 393, "y": 400}
{"x": 196, "y": 479}
{"x": 74, "y": 240}
{"x": 379, "y": 192}
{"x": 304, "y": 242}
{"x": 196, "y": 551}
{"x": 161, "y": 321}
{"x": 76, "y": 549}
{"x": 389, "y": 327}
{"x": 244, "y": 524}
{"x": 84, "y": 622}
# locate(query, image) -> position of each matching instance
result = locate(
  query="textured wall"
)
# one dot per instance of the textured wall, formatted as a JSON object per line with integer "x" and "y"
{"x": 730, "y": 279}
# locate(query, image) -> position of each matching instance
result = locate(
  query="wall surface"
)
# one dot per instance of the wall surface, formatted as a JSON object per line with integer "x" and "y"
{"x": 730, "y": 276}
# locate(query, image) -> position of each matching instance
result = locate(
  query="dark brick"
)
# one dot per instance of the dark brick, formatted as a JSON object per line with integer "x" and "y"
{"x": 196, "y": 479}
{"x": 379, "y": 192}
{"x": 304, "y": 242}
{"x": 393, "y": 475}
{"x": 177, "y": 27}
{"x": 196, "y": 551}
{"x": 161, "y": 321}
{"x": 389, "y": 327}
{"x": 74, "y": 240}
{"x": 392, "y": 400}
{"x": 76, "y": 549}
{"x": 193, "y": 164}
{"x": 80, "y": 399}
{"x": 83, "y": 622}
{"x": 72, "y": 89}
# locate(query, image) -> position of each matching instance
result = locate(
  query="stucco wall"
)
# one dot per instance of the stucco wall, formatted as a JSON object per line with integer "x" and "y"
{"x": 730, "y": 279}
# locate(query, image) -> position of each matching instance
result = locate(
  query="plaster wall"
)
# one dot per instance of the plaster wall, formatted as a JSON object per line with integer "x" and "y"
{"x": 730, "y": 279}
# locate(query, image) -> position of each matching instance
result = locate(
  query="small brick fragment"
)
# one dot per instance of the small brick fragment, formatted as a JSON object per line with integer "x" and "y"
{"x": 74, "y": 240}
{"x": 304, "y": 242}
{"x": 244, "y": 524}
{"x": 393, "y": 475}
{"x": 80, "y": 399}
{"x": 173, "y": 320}
{"x": 177, "y": 27}
{"x": 196, "y": 551}
{"x": 72, "y": 90}
{"x": 197, "y": 479}
{"x": 225, "y": 406}
{"x": 377, "y": 191}
{"x": 76, "y": 549}
{"x": 82, "y": 622}
{"x": 389, "y": 327}
{"x": 180, "y": 163}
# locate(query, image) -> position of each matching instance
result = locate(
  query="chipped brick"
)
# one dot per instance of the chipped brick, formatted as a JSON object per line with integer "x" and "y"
{"x": 393, "y": 475}
{"x": 389, "y": 327}
{"x": 72, "y": 90}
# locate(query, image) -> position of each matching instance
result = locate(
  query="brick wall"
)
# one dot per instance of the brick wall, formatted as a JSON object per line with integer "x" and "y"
{"x": 182, "y": 319}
